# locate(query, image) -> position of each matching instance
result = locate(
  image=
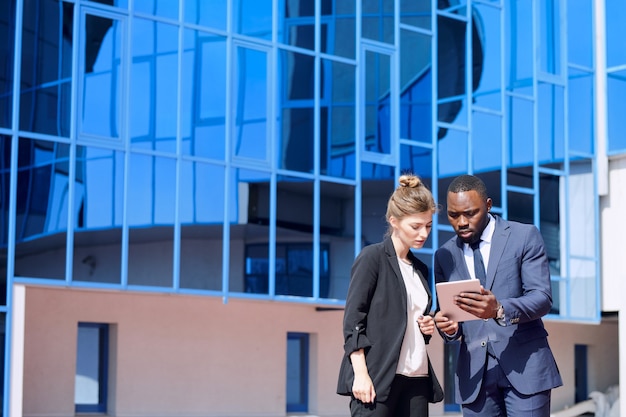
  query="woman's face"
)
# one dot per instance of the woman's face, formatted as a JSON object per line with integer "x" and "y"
{"x": 413, "y": 230}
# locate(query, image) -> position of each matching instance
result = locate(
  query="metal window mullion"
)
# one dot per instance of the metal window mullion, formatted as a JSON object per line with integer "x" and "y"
{"x": 317, "y": 152}
{"x": 359, "y": 110}
{"x": 535, "y": 61}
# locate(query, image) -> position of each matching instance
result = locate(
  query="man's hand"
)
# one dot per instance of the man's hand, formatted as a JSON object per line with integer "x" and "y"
{"x": 483, "y": 305}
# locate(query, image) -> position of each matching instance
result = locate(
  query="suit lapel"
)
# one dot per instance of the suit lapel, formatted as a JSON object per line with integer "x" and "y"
{"x": 392, "y": 258}
{"x": 498, "y": 243}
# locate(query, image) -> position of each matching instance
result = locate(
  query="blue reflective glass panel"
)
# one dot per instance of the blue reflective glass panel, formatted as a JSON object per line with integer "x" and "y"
{"x": 153, "y": 86}
{"x": 550, "y": 36}
{"x": 209, "y": 13}
{"x": 151, "y": 190}
{"x": 250, "y": 104}
{"x": 415, "y": 86}
{"x": 451, "y": 78}
{"x": 616, "y": 93}
{"x": 486, "y": 142}
{"x": 162, "y": 8}
{"x": 202, "y": 193}
{"x": 5, "y": 178}
{"x": 377, "y": 105}
{"x": 102, "y": 79}
{"x": 453, "y": 154}
{"x": 99, "y": 187}
{"x": 580, "y": 32}
{"x": 521, "y": 131}
{"x": 519, "y": 46}
{"x": 487, "y": 56}
{"x": 416, "y": 160}
{"x": 337, "y": 114}
{"x": 377, "y": 20}
{"x": 341, "y": 39}
{"x": 521, "y": 207}
{"x": 615, "y": 31}
{"x": 580, "y": 111}
{"x": 551, "y": 123}
{"x": 203, "y": 114}
{"x": 46, "y": 68}
{"x": 253, "y": 18}
{"x": 7, "y": 40}
{"x": 416, "y": 13}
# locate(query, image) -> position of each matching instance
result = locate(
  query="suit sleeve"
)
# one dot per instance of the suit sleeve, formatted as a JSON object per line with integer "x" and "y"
{"x": 535, "y": 300}
{"x": 363, "y": 278}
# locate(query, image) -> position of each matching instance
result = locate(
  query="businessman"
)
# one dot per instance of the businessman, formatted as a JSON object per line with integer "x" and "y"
{"x": 505, "y": 365}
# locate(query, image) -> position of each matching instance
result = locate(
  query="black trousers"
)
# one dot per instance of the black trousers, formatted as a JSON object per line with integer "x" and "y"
{"x": 408, "y": 397}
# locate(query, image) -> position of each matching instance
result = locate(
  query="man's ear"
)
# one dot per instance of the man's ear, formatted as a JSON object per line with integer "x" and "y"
{"x": 489, "y": 204}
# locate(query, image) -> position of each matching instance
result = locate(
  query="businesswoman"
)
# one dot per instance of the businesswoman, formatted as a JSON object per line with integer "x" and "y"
{"x": 386, "y": 326}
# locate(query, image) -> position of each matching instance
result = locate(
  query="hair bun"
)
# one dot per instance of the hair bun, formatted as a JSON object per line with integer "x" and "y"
{"x": 410, "y": 181}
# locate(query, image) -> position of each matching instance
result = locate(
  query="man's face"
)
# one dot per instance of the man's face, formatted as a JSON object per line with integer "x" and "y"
{"x": 468, "y": 214}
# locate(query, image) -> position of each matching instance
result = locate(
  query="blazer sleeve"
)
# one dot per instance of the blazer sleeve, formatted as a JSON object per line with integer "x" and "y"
{"x": 363, "y": 279}
{"x": 534, "y": 299}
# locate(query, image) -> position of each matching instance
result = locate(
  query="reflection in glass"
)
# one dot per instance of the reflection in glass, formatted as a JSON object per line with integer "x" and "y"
{"x": 580, "y": 32}
{"x": 5, "y": 185}
{"x": 250, "y": 103}
{"x": 203, "y": 114}
{"x": 521, "y": 207}
{"x": 521, "y": 131}
{"x": 337, "y": 224}
{"x": 299, "y": 24}
{"x": 253, "y": 18}
{"x": 615, "y": 14}
{"x": 7, "y": 42}
{"x": 209, "y": 13}
{"x": 41, "y": 208}
{"x": 416, "y": 160}
{"x": 519, "y": 46}
{"x": 550, "y": 37}
{"x": 342, "y": 40}
{"x": 550, "y": 219}
{"x": 294, "y": 218}
{"x": 377, "y": 185}
{"x": 416, "y": 13}
{"x": 581, "y": 240}
{"x": 580, "y": 111}
{"x": 486, "y": 141}
{"x": 551, "y": 122}
{"x": 162, "y": 8}
{"x": 249, "y": 217}
{"x": 99, "y": 200}
{"x": 487, "y": 84}
{"x": 377, "y": 105}
{"x": 377, "y": 20}
{"x": 453, "y": 151}
{"x": 46, "y": 74}
{"x": 297, "y": 127}
{"x": 415, "y": 86}
{"x": 153, "y": 86}
{"x": 616, "y": 97}
{"x": 102, "y": 81}
{"x": 337, "y": 132}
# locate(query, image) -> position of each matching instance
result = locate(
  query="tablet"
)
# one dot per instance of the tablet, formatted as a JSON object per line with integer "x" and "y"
{"x": 446, "y": 291}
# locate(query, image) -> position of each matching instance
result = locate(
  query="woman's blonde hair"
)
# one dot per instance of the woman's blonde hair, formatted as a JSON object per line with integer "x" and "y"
{"x": 411, "y": 197}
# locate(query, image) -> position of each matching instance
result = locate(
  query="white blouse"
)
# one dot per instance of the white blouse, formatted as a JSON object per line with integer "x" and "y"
{"x": 413, "y": 357}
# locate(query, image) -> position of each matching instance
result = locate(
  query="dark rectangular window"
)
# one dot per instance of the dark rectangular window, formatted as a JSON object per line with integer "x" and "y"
{"x": 92, "y": 351}
{"x": 297, "y": 372}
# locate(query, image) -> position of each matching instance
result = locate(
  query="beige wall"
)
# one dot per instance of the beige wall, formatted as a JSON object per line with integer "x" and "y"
{"x": 175, "y": 355}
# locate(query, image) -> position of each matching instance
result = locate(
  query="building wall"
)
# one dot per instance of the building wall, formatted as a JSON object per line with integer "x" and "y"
{"x": 613, "y": 229}
{"x": 178, "y": 355}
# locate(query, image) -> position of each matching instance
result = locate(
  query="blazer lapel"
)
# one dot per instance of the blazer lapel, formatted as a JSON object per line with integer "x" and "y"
{"x": 498, "y": 243}
{"x": 392, "y": 258}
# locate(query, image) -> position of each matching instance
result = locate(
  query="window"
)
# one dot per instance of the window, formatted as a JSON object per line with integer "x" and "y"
{"x": 294, "y": 269}
{"x": 90, "y": 391}
{"x": 297, "y": 372}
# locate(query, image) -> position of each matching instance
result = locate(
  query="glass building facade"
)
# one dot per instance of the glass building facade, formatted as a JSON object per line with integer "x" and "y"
{"x": 261, "y": 139}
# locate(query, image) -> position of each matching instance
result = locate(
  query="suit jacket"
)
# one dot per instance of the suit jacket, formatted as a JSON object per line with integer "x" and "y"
{"x": 375, "y": 318}
{"x": 519, "y": 277}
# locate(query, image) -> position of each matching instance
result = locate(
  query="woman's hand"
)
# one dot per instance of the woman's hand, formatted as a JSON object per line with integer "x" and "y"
{"x": 427, "y": 324}
{"x": 362, "y": 387}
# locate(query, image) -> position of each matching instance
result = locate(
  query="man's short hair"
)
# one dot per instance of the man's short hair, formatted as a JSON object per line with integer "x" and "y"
{"x": 468, "y": 183}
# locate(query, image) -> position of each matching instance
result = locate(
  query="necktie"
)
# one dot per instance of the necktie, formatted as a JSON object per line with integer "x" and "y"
{"x": 479, "y": 265}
